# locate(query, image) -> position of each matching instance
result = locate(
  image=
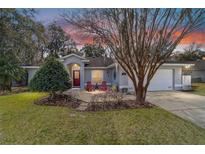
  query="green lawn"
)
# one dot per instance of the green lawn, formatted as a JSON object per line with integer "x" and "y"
{"x": 198, "y": 88}
{"x": 22, "y": 122}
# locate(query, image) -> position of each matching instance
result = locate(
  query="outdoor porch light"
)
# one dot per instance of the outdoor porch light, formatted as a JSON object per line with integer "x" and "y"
{"x": 75, "y": 65}
{"x": 187, "y": 66}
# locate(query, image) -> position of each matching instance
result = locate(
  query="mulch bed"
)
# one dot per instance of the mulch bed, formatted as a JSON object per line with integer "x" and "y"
{"x": 59, "y": 100}
{"x": 106, "y": 106}
{"x": 67, "y": 101}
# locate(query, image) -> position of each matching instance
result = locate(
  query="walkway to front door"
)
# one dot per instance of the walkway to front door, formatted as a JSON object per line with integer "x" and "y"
{"x": 76, "y": 78}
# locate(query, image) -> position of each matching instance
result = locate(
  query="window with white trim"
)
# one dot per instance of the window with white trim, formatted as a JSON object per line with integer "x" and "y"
{"x": 97, "y": 76}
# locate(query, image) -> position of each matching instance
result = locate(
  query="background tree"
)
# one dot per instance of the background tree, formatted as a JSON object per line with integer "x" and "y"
{"x": 141, "y": 40}
{"x": 21, "y": 35}
{"x": 191, "y": 53}
{"x": 59, "y": 42}
{"x": 51, "y": 77}
{"x": 93, "y": 50}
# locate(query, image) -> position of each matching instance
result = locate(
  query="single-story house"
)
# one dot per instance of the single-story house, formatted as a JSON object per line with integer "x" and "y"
{"x": 97, "y": 69}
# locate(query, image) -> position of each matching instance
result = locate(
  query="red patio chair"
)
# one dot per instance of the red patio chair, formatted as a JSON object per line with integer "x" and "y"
{"x": 89, "y": 86}
{"x": 103, "y": 86}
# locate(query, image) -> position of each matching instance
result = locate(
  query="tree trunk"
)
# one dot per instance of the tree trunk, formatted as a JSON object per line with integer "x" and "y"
{"x": 140, "y": 92}
{"x": 52, "y": 95}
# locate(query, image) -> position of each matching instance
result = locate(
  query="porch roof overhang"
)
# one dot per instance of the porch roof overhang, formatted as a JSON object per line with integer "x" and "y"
{"x": 31, "y": 67}
{"x": 177, "y": 64}
{"x": 70, "y": 55}
{"x": 109, "y": 66}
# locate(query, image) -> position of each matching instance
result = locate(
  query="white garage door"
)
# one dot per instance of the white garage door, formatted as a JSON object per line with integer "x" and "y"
{"x": 162, "y": 80}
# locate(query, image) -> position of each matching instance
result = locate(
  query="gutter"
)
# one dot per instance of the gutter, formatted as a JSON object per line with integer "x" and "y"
{"x": 32, "y": 67}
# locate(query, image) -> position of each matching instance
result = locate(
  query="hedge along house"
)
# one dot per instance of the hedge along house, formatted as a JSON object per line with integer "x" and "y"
{"x": 97, "y": 69}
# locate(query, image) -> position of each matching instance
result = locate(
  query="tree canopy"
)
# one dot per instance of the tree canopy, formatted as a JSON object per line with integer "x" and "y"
{"x": 191, "y": 53}
{"x": 59, "y": 42}
{"x": 21, "y": 35}
{"x": 93, "y": 50}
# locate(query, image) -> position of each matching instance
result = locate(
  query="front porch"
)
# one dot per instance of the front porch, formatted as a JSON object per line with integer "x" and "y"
{"x": 96, "y": 71}
{"x": 75, "y": 64}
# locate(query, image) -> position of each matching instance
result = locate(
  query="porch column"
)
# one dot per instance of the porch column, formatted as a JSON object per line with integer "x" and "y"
{"x": 117, "y": 74}
{"x": 82, "y": 76}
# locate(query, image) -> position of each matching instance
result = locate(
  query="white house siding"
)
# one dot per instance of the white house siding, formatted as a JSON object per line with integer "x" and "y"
{"x": 123, "y": 79}
{"x": 31, "y": 73}
{"x": 108, "y": 76}
{"x": 176, "y": 78}
{"x": 87, "y": 75}
{"x": 111, "y": 76}
{"x": 105, "y": 75}
{"x": 198, "y": 75}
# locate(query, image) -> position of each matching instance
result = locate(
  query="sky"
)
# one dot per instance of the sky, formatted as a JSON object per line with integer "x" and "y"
{"x": 47, "y": 16}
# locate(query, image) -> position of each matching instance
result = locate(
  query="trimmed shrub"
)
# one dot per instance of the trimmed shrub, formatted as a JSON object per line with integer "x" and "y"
{"x": 51, "y": 77}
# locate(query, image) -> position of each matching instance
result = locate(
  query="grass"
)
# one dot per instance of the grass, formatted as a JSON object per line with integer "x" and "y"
{"x": 198, "y": 88}
{"x": 22, "y": 122}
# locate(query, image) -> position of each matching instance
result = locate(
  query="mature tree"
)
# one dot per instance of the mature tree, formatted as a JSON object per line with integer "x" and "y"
{"x": 141, "y": 40}
{"x": 93, "y": 50}
{"x": 20, "y": 34}
{"x": 34, "y": 48}
{"x": 191, "y": 53}
{"x": 17, "y": 33}
{"x": 9, "y": 70}
{"x": 51, "y": 77}
{"x": 59, "y": 42}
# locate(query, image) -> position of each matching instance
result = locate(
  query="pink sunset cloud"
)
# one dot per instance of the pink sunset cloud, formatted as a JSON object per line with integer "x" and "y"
{"x": 81, "y": 38}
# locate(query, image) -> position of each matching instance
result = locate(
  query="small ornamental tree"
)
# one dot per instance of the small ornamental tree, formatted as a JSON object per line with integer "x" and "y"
{"x": 51, "y": 77}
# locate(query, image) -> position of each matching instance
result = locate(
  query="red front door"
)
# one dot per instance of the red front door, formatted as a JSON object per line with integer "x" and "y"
{"x": 76, "y": 78}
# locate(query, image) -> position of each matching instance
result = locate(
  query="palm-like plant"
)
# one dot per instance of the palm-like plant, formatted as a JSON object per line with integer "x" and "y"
{"x": 9, "y": 70}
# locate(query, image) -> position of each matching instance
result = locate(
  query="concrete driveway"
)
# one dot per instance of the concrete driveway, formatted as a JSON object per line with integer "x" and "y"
{"x": 188, "y": 106}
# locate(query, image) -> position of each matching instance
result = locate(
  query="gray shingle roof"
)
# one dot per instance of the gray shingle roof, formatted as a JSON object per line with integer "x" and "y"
{"x": 99, "y": 61}
{"x": 199, "y": 65}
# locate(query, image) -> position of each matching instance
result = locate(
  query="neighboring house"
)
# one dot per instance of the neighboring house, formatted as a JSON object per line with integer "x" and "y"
{"x": 198, "y": 71}
{"x": 98, "y": 69}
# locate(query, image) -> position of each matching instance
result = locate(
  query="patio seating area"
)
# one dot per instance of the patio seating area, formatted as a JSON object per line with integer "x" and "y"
{"x": 91, "y": 87}
{"x": 87, "y": 96}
